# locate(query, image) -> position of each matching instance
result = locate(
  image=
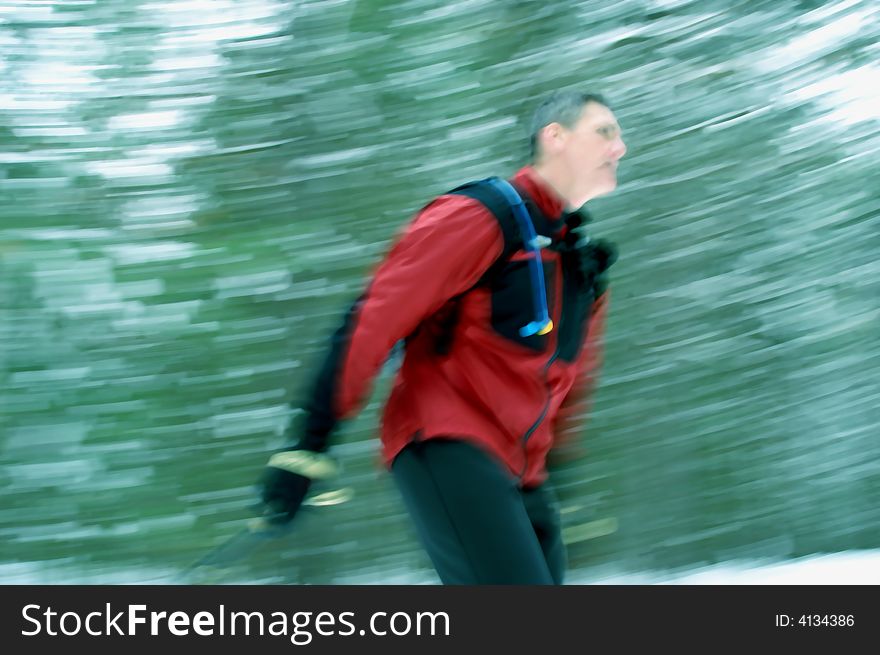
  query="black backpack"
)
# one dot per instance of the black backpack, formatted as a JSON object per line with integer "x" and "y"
{"x": 588, "y": 260}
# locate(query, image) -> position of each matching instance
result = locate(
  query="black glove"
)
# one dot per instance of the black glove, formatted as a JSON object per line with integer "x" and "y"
{"x": 596, "y": 258}
{"x": 286, "y": 481}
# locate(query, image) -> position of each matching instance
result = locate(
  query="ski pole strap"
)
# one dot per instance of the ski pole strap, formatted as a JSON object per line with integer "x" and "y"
{"x": 532, "y": 244}
{"x": 316, "y": 466}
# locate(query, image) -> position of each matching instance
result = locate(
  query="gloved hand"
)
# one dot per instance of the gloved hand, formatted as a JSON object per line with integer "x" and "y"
{"x": 286, "y": 481}
{"x": 596, "y": 257}
{"x": 589, "y": 258}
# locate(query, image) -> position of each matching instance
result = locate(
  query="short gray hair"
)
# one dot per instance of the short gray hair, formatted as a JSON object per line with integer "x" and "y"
{"x": 563, "y": 107}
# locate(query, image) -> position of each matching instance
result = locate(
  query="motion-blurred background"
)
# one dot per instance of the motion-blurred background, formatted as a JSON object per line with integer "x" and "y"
{"x": 194, "y": 190}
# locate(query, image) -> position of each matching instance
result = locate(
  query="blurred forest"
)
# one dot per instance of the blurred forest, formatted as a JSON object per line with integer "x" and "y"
{"x": 194, "y": 190}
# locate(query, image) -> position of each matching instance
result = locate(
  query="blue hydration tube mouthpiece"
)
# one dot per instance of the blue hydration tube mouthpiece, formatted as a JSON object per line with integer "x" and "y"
{"x": 533, "y": 244}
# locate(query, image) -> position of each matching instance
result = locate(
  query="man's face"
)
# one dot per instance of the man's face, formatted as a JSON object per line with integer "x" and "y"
{"x": 590, "y": 151}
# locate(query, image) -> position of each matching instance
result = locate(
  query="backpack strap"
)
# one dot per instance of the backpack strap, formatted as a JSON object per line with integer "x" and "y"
{"x": 515, "y": 222}
{"x": 487, "y": 194}
{"x": 541, "y": 323}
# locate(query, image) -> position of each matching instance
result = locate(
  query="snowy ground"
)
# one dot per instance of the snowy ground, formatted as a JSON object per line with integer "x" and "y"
{"x": 852, "y": 567}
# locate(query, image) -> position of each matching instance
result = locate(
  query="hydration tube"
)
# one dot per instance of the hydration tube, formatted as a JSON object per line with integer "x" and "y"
{"x": 533, "y": 244}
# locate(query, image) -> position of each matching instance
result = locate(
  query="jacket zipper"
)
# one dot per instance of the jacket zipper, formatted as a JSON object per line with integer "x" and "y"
{"x": 540, "y": 419}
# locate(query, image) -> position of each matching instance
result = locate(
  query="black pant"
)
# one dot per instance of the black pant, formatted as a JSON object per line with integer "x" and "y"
{"x": 477, "y": 526}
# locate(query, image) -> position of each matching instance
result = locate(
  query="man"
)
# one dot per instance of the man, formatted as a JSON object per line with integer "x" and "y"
{"x": 479, "y": 400}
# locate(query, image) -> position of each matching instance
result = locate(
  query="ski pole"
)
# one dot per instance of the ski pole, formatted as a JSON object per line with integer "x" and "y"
{"x": 256, "y": 532}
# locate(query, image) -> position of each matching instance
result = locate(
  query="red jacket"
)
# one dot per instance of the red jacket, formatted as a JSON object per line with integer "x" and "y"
{"x": 514, "y": 397}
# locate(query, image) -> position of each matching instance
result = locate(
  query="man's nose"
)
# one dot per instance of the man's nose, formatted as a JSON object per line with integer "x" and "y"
{"x": 618, "y": 148}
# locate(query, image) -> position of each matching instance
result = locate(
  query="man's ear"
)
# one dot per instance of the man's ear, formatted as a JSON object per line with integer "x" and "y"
{"x": 551, "y": 136}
